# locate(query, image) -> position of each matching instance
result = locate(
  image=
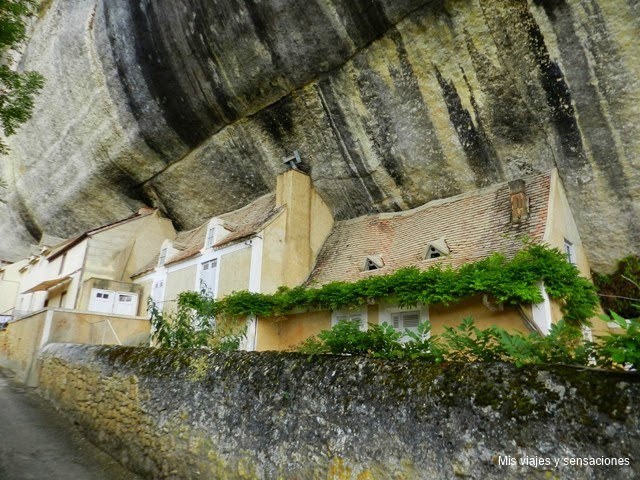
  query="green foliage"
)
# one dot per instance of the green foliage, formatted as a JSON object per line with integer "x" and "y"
{"x": 620, "y": 291}
{"x": 565, "y": 344}
{"x": 193, "y": 324}
{"x": 17, "y": 89}
{"x": 513, "y": 282}
{"x": 620, "y": 349}
{"x": 466, "y": 342}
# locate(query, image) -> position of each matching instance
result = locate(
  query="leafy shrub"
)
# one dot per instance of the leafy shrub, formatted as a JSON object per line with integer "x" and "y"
{"x": 620, "y": 349}
{"x": 512, "y": 282}
{"x": 565, "y": 344}
{"x": 620, "y": 291}
{"x": 466, "y": 342}
{"x": 194, "y": 324}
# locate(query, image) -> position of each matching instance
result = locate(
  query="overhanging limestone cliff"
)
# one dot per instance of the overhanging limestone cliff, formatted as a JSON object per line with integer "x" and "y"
{"x": 190, "y": 105}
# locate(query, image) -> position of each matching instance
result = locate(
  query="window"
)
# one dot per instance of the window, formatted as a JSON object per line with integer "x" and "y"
{"x": 210, "y": 237}
{"x": 163, "y": 257}
{"x": 436, "y": 249}
{"x": 102, "y": 295}
{"x": 406, "y": 320}
{"x": 433, "y": 252}
{"x": 373, "y": 262}
{"x": 403, "y": 319}
{"x": 125, "y": 298}
{"x": 570, "y": 251}
{"x": 208, "y": 276}
{"x": 359, "y": 316}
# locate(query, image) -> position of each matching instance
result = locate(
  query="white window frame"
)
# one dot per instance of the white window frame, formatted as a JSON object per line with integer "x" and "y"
{"x": 570, "y": 251}
{"x": 387, "y": 312}
{"x": 163, "y": 256}
{"x": 346, "y": 314}
{"x": 211, "y": 236}
{"x": 156, "y": 287}
{"x": 216, "y": 263}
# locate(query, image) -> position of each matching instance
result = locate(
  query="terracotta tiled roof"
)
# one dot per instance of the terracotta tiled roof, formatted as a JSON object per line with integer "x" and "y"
{"x": 189, "y": 243}
{"x": 474, "y": 225}
{"x": 242, "y": 223}
{"x": 183, "y": 241}
{"x": 250, "y": 219}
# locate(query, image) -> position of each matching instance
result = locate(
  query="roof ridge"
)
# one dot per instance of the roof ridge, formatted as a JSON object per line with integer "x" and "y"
{"x": 440, "y": 201}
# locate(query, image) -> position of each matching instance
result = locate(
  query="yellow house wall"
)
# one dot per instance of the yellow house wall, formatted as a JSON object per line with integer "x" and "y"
{"x": 290, "y": 331}
{"x": 49, "y": 270}
{"x": 273, "y": 252}
{"x": 452, "y": 315}
{"x": 118, "y": 252}
{"x": 21, "y": 341}
{"x": 293, "y": 190}
{"x": 179, "y": 281}
{"x": 561, "y": 225}
{"x": 148, "y": 241}
{"x": 8, "y": 295}
{"x": 321, "y": 225}
{"x": 294, "y": 239}
{"x": 145, "y": 294}
{"x": 10, "y": 285}
{"x": 234, "y": 273}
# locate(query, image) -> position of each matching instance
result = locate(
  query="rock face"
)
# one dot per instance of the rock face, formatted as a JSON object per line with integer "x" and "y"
{"x": 189, "y": 414}
{"x": 190, "y": 105}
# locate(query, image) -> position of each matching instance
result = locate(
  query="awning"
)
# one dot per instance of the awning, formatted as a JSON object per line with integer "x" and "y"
{"x": 47, "y": 284}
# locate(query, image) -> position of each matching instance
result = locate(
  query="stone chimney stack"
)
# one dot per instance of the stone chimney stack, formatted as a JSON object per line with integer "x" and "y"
{"x": 519, "y": 201}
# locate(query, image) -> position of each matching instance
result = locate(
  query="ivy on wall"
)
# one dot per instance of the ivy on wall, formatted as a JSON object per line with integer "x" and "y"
{"x": 510, "y": 282}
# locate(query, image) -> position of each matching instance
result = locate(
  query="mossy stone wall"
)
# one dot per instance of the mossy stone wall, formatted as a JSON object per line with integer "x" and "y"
{"x": 187, "y": 415}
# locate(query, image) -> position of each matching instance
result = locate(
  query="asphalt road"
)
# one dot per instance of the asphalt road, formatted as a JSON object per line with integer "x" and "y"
{"x": 37, "y": 443}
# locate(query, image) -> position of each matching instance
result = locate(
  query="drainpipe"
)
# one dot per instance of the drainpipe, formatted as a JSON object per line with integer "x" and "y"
{"x": 255, "y": 274}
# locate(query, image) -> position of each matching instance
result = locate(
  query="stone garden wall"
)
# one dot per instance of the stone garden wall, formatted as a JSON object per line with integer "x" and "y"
{"x": 289, "y": 416}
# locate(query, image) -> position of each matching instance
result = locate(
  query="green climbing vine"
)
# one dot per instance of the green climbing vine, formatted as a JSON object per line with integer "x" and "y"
{"x": 511, "y": 282}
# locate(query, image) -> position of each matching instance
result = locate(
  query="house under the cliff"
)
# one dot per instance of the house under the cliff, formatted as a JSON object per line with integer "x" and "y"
{"x": 290, "y": 239}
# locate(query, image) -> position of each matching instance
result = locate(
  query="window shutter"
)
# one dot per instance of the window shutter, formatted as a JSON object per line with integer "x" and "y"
{"x": 411, "y": 320}
{"x": 396, "y": 320}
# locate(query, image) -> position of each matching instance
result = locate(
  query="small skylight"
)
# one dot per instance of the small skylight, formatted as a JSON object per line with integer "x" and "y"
{"x": 437, "y": 248}
{"x": 373, "y": 262}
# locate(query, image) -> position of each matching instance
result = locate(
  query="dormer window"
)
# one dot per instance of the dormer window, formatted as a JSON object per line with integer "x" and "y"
{"x": 433, "y": 252}
{"x": 163, "y": 257}
{"x": 373, "y": 262}
{"x": 437, "y": 248}
{"x": 211, "y": 236}
{"x": 570, "y": 251}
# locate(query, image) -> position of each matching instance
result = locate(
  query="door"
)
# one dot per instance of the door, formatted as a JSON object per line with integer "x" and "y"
{"x": 101, "y": 300}
{"x": 126, "y": 303}
{"x": 208, "y": 276}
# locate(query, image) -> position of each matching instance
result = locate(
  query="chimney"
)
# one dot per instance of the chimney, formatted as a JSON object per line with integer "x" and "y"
{"x": 519, "y": 201}
{"x": 294, "y": 192}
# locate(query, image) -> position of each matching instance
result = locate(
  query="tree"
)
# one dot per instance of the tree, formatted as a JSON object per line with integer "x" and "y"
{"x": 17, "y": 89}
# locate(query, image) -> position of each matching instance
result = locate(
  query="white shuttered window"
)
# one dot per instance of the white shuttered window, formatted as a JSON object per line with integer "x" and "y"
{"x": 359, "y": 316}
